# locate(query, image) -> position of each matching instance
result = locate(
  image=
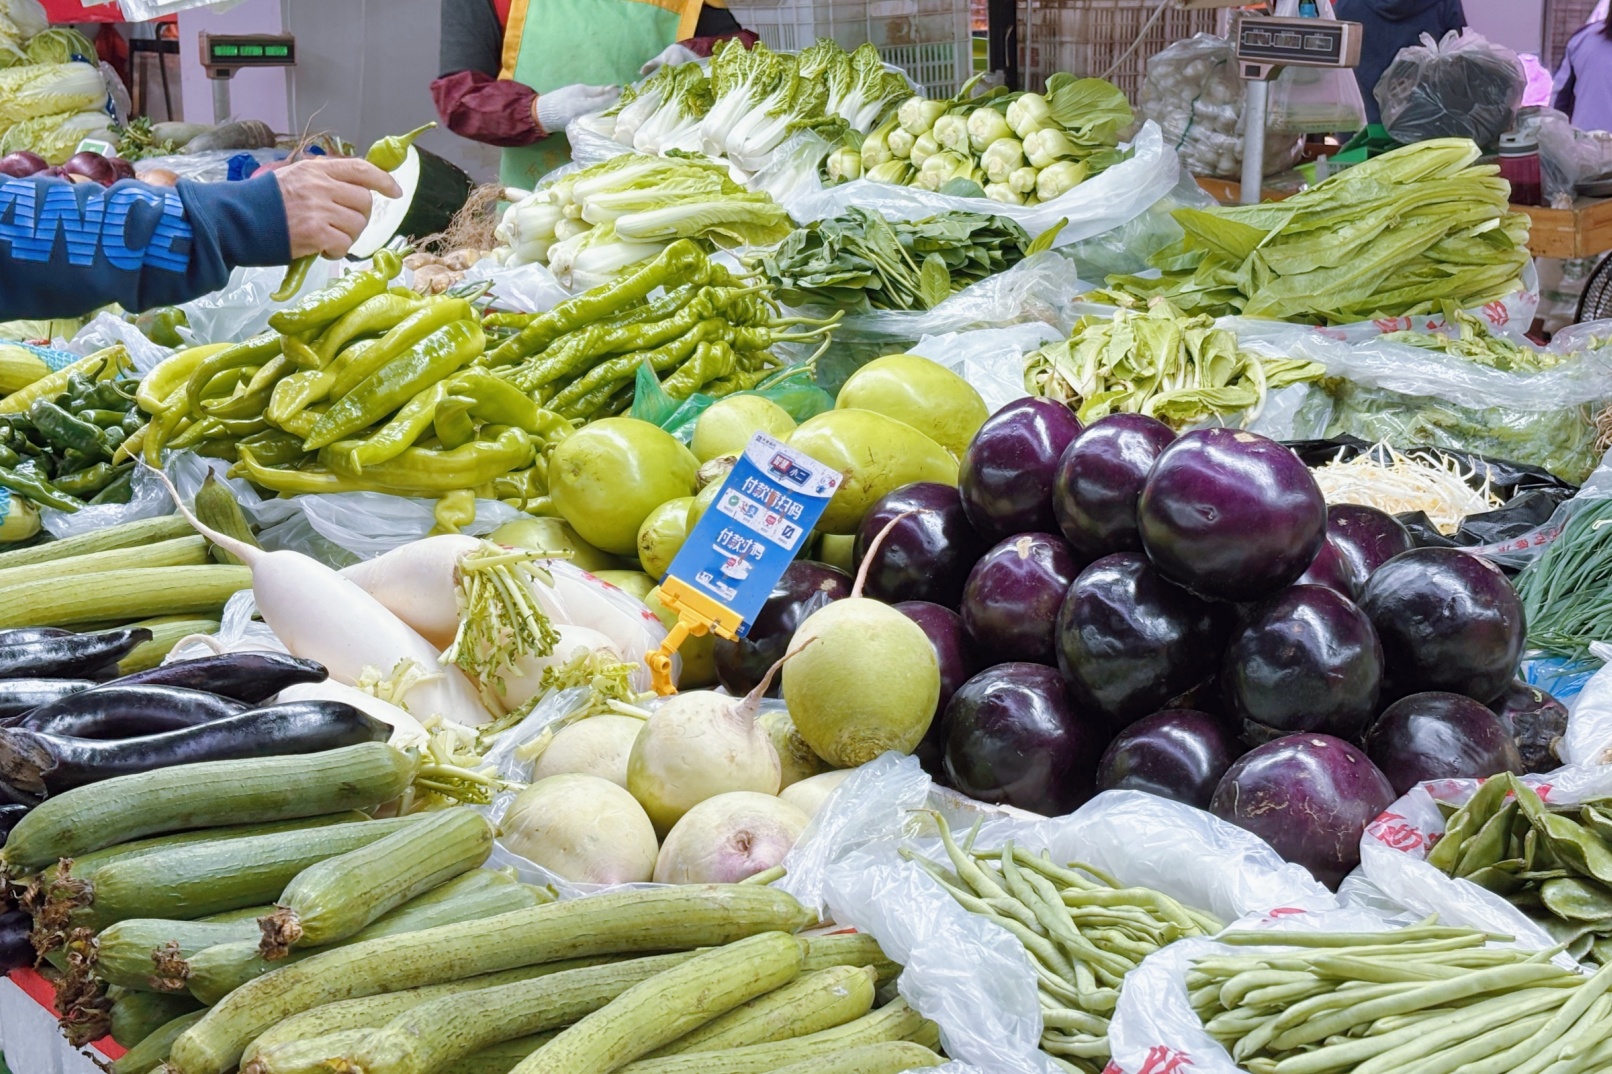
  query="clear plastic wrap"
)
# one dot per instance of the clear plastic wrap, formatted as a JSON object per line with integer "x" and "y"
{"x": 520, "y": 288}
{"x": 1127, "y": 249}
{"x": 1588, "y": 740}
{"x": 1193, "y": 93}
{"x": 1463, "y": 86}
{"x": 1394, "y": 849}
{"x": 149, "y": 499}
{"x": 241, "y": 308}
{"x": 1100, "y": 204}
{"x": 211, "y": 166}
{"x": 990, "y": 359}
{"x": 108, "y": 329}
{"x": 965, "y": 972}
{"x": 1567, "y": 155}
{"x": 1314, "y": 100}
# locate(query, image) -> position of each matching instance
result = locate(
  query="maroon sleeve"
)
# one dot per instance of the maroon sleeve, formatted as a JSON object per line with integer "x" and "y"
{"x": 486, "y": 109}
{"x": 702, "y": 46}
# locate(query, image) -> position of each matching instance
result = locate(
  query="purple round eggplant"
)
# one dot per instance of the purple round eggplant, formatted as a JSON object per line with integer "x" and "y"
{"x": 1310, "y": 797}
{"x": 1366, "y": 537}
{"x": 1331, "y": 568}
{"x": 1231, "y": 515}
{"x": 1304, "y": 660}
{"x": 1011, "y": 601}
{"x": 928, "y": 554}
{"x": 1100, "y": 478}
{"x": 1178, "y": 753}
{"x": 1448, "y": 620}
{"x": 946, "y": 633}
{"x": 1537, "y": 721}
{"x": 1007, "y": 471}
{"x": 1438, "y": 735}
{"x": 1014, "y": 737}
{"x": 805, "y": 587}
{"x": 1129, "y": 641}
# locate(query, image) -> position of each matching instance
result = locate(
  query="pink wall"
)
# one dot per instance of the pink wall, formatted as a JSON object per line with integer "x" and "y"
{"x": 253, "y": 94}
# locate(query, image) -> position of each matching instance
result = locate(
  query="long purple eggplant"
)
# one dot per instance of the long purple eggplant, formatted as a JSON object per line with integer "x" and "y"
{"x": 116, "y": 711}
{"x": 45, "y": 765}
{"x": 68, "y": 655}
{"x": 250, "y": 677}
{"x": 10, "y": 814}
{"x": 18, "y": 696}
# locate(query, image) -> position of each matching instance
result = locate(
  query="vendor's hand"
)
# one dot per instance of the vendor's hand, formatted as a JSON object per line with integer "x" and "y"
{"x": 670, "y": 57}
{"x": 558, "y": 107}
{"x": 327, "y": 202}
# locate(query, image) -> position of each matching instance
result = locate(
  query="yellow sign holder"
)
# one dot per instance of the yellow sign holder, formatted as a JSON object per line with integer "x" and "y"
{"x": 697, "y": 616}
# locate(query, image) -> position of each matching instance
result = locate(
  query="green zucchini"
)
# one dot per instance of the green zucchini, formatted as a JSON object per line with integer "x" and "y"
{"x": 303, "y": 1057}
{"x": 848, "y": 949}
{"x": 452, "y": 1026}
{"x": 372, "y": 1012}
{"x": 207, "y": 795}
{"x": 886, "y": 1057}
{"x": 145, "y": 953}
{"x": 896, "y": 1021}
{"x": 129, "y": 535}
{"x": 147, "y": 1053}
{"x": 337, "y": 897}
{"x": 665, "y": 1007}
{"x": 215, "y": 972}
{"x": 137, "y": 1015}
{"x": 615, "y": 923}
{"x": 811, "y": 1002}
{"x": 197, "y": 879}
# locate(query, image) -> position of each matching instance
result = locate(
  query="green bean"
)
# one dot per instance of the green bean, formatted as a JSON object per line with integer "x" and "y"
{"x": 1524, "y": 1057}
{"x": 1068, "y": 1018}
{"x": 1388, "y": 940}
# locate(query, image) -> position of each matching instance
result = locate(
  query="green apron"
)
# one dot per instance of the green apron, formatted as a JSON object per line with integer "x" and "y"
{"x": 594, "y": 42}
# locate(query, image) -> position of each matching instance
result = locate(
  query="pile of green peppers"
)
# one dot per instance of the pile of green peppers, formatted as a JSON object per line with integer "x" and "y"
{"x": 64, "y": 450}
{"x": 708, "y": 331}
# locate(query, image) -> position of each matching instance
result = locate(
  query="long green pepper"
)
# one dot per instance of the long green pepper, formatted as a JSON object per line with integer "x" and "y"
{"x": 439, "y": 355}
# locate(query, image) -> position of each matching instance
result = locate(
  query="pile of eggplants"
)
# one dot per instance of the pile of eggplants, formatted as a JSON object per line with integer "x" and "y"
{"x": 67, "y": 720}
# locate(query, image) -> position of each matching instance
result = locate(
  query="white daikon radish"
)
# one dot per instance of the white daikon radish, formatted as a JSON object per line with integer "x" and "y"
{"x": 729, "y": 837}
{"x": 586, "y": 829}
{"x": 406, "y": 730}
{"x": 809, "y": 794}
{"x": 513, "y": 685}
{"x": 319, "y": 615}
{"x": 580, "y": 599}
{"x": 697, "y": 745}
{"x": 597, "y": 746}
{"x": 419, "y": 583}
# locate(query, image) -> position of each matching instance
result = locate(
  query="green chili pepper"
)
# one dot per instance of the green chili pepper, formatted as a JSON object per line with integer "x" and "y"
{"x": 452, "y": 422}
{"x": 254, "y": 352}
{"x": 292, "y": 482}
{"x": 65, "y": 431}
{"x": 295, "y": 276}
{"x": 371, "y": 318}
{"x": 439, "y": 355}
{"x": 273, "y": 447}
{"x": 113, "y": 394}
{"x": 34, "y": 487}
{"x": 87, "y": 482}
{"x": 682, "y": 261}
{"x": 204, "y": 429}
{"x": 225, "y": 386}
{"x": 105, "y": 419}
{"x": 8, "y": 457}
{"x": 661, "y": 359}
{"x": 120, "y": 490}
{"x": 362, "y": 364}
{"x": 300, "y": 354}
{"x": 454, "y": 511}
{"x": 497, "y": 401}
{"x": 324, "y": 306}
{"x": 399, "y": 434}
{"x": 296, "y": 393}
{"x": 163, "y": 427}
{"x": 424, "y": 471}
{"x": 711, "y": 361}
{"x": 388, "y": 154}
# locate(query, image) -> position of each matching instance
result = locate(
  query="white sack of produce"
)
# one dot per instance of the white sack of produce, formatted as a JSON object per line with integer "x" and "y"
{"x": 1097, "y": 205}
{"x": 964, "y": 971}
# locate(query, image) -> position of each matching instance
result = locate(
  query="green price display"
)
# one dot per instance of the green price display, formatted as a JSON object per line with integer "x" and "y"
{"x": 277, "y": 51}
{"x": 226, "y": 51}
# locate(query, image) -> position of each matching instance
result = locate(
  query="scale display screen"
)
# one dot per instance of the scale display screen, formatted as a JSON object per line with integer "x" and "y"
{"x": 1265, "y": 39}
{"x": 248, "y": 51}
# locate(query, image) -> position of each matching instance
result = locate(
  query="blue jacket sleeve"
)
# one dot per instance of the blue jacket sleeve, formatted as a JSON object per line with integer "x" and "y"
{"x": 67, "y": 249}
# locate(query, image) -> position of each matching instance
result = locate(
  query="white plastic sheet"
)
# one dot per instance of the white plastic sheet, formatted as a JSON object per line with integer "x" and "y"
{"x": 967, "y": 974}
{"x": 241, "y": 308}
{"x": 990, "y": 359}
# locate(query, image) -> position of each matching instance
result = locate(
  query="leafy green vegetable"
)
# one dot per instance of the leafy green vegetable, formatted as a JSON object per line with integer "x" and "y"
{"x": 1564, "y": 591}
{"x": 1163, "y": 363}
{"x": 861, "y": 261}
{"x": 1417, "y": 229}
{"x": 1477, "y": 344}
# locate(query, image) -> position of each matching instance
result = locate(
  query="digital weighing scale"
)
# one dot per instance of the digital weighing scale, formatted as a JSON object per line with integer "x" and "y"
{"x": 224, "y": 54}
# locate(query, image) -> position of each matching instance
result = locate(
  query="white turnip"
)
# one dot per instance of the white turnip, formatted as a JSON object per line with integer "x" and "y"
{"x": 729, "y": 837}
{"x": 795, "y": 759}
{"x": 809, "y": 794}
{"x": 597, "y": 746}
{"x": 585, "y": 829}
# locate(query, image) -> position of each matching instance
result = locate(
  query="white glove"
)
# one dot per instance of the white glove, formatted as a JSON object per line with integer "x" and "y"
{"x": 558, "y": 107}
{"x": 671, "y": 56}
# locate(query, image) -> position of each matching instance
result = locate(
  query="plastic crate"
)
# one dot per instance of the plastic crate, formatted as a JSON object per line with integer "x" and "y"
{"x": 928, "y": 39}
{"x": 1087, "y": 37}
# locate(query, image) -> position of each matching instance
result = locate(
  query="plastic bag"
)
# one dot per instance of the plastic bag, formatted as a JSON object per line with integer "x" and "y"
{"x": 1127, "y": 249}
{"x": 797, "y": 395}
{"x": 1394, "y": 850}
{"x": 1588, "y": 740}
{"x": 520, "y": 288}
{"x": 1038, "y": 289}
{"x": 1100, "y": 204}
{"x": 107, "y": 330}
{"x": 241, "y": 308}
{"x": 211, "y": 166}
{"x": 1193, "y": 93}
{"x": 1463, "y": 86}
{"x": 1567, "y": 155}
{"x": 990, "y": 359}
{"x": 1314, "y": 100}
{"x": 961, "y": 970}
